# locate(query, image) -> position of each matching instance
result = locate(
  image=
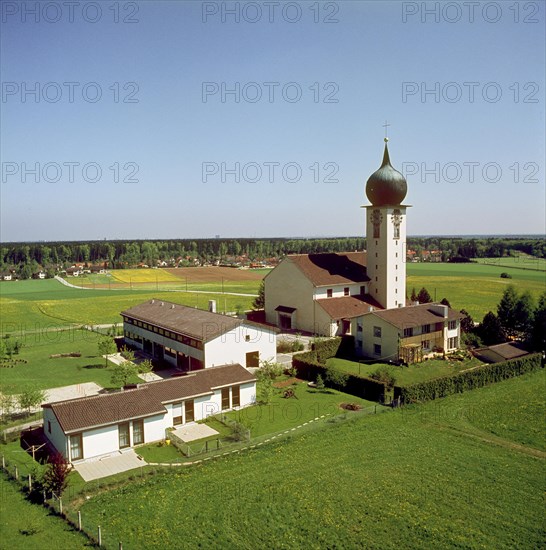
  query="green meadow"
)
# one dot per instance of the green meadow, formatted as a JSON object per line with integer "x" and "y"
{"x": 25, "y": 525}
{"x": 463, "y": 472}
{"x": 37, "y": 305}
{"x": 35, "y": 368}
{"x": 476, "y": 287}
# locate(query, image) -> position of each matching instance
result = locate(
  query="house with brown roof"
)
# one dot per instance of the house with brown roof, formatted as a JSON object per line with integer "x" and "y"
{"x": 408, "y": 333}
{"x": 90, "y": 427}
{"x": 191, "y": 339}
{"x": 316, "y": 292}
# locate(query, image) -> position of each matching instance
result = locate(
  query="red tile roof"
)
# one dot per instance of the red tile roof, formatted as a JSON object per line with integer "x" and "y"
{"x": 348, "y": 307}
{"x": 147, "y": 399}
{"x": 415, "y": 316}
{"x": 331, "y": 269}
{"x": 197, "y": 323}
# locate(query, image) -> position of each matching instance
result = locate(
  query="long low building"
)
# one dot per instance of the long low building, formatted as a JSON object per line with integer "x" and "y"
{"x": 192, "y": 339}
{"x": 98, "y": 425}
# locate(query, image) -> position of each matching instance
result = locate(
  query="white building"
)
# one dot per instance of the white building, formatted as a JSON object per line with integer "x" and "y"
{"x": 98, "y": 425}
{"x": 191, "y": 339}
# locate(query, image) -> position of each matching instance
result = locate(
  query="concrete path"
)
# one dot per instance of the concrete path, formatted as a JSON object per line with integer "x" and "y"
{"x": 109, "y": 465}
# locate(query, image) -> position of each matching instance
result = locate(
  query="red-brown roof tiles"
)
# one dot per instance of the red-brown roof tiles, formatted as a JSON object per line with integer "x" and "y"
{"x": 147, "y": 399}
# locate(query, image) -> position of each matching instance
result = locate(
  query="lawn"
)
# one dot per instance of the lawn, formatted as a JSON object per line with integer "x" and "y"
{"x": 418, "y": 372}
{"x": 416, "y": 478}
{"x": 44, "y": 372}
{"x": 48, "y": 304}
{"x": 285, "y": 413}
{"x": 476, "y": 287}
{"x": 32, "y": 527}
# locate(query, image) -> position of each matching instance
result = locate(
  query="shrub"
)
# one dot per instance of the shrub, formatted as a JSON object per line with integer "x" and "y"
{"x": 319, "y": 383}
{"x": 505, "y": 275}
{"x": 385, "y": 375}
{"x": 269, "y": 370}
{"x": 336, "y": 377}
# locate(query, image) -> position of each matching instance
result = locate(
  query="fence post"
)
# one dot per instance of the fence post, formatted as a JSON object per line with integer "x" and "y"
{"x": 120, "y": 546}
{"x": 100, "y": 537}
{"x": 16, "y": 473}
{"x": 3, "y": 462}
{"x": 79, "y": 520}
{"x": 61, "y": 506}
{"x": 29, "y": 483}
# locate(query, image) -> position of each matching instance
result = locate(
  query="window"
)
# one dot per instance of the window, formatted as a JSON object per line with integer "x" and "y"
{"x": 452, "y": 325}
{"x": 408, "y": 332}
{"x": 425, "y": 344}
{"x": 439, "y": 326}
{"x": 426, "y": 329}
{"x": 76, "y": 447}
{"x": 359, "y": 328}
{"x": 453, "y": 343}
{"x": 247, "y": 338}
{"x": 225, "y": 398}
{"x": 377, "y": 332}
{"x": 236, "y": 396}
{"x": 124, "y": 437}
{"x": 346, "y": 291}
{"x": 377, "y": 349}
{"x": 329, "y": 293}
{"x": 177, "y": 414}
{"x": 138, "y": 432}
{"x": 189, "y": 411}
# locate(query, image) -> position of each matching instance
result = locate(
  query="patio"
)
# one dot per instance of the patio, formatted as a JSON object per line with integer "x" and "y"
{"x": 109, "y": 465}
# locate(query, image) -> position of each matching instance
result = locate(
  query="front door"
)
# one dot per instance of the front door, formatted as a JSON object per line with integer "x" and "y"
{"x": 124, "y": 437}
{"x": 285, "y": 321}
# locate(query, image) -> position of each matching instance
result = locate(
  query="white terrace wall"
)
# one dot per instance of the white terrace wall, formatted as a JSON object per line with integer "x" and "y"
{"x": 56, "y": 436}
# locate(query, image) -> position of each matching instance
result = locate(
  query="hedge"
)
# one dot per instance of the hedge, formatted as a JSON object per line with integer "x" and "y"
{"x": 468, "y": 380}
{"x": 333, "y": 347}
{"x": 309, "y": 367}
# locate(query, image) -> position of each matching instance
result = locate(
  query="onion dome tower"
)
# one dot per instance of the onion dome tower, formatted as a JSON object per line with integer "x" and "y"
{"x": 386, "y": 188}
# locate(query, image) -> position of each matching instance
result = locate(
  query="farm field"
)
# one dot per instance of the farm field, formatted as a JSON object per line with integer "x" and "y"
{"x": 25, "y": 525}
{"x": 43, "y": 372}
{"x": 418, "y": 372}
{"x": 48, "y": 304}
{"x": 463, "y": 472}
{"x": 203, "y": 279}
{"x": 476, "y": 287}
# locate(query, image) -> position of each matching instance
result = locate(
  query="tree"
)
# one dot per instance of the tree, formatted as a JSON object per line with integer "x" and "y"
{"x": 55, "y": 477}
{"x": 445, "y": 302}
{"x": 413, "y": 297}
{"x": 7, "y": 404}
{"x": 490, "y": 330}
{"x": 319, "y": 383}
{"x": 424, "y": 297}
{"x": 336, "y": 377}
{"x": 524, "y": 313}
{"x": 31, "y": 398}
{"x": 385, "y": 375}
{"x": 259, "y": 301}
{"x": 467, "y": 323}
{"x": 126, "y": 370}
{"x": 538, "y": 331}
{"x": 106, "y": 347}
{"x": 506, "y": 310}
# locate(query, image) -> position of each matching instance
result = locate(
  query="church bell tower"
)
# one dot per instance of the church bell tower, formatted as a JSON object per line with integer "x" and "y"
{"x": 386, "y": 188}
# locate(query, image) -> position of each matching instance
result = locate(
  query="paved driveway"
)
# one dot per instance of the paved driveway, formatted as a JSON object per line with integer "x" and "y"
{"x": 109, "y": 465}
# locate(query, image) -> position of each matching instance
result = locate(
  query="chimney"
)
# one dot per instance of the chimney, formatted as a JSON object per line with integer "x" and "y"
{"x": 212, "y": 306}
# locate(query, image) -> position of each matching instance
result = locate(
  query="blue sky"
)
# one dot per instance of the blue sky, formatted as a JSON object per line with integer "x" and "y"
{"x": 178, "y": 144}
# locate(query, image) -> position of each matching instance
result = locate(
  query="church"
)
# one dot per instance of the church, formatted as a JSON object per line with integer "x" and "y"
{"x": 364, "y": 293}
